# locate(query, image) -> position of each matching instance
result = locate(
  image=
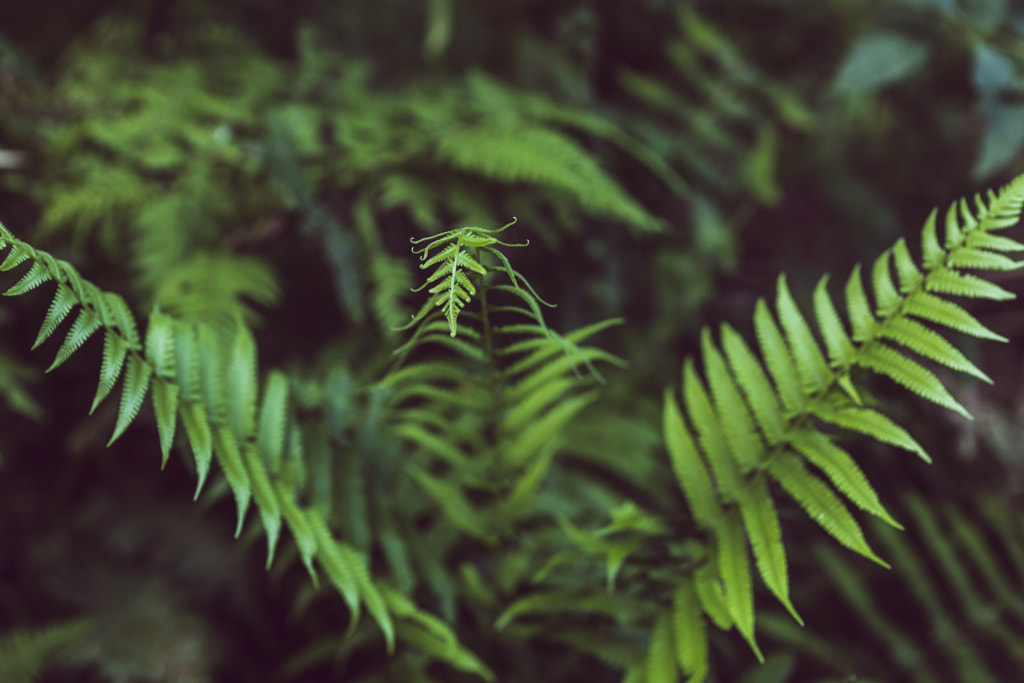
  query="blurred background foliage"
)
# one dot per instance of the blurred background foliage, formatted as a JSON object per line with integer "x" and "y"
{"x": 666, "y": 159}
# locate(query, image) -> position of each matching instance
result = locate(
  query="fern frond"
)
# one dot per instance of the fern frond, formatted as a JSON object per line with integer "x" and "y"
{"x": 952, "y": 574}
{"x": 744, "y": 443}
{"x": 690, "y": 632}
{"x": 841, "y": 470}
{"x": 734, "y": 573}
{"x": 765, "y": 415}
{"x": 886, "y": 360}
{"x": 189, "y": 366}
{"x": 453, "y": 259}
{"x": 762, "y": 524}
{"x": 540, "y": 155}
{"x": 689, "y": 468}
{"x": 660, "y": 664}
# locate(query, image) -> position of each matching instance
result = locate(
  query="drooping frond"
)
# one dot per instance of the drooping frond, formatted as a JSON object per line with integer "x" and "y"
{"x": 754, "y": 418}
{"x": 206, "y": 381}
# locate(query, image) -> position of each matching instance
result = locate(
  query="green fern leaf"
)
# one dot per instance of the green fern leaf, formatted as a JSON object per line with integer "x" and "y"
{"x": 610, "y": 604}
{"x": 689, "y": 632}
{"x": 932, "y": 253}
{"x": 119, "y": 318}
{"x": 456, "y": 291}
{"x": 691, "y": 474}
{"x": 36, "y": 275}
{"x": 635, "y": 674}
{"x": 979, "y": 239}
{"x": 18, "y": 254}
{"x": 273, "y": 420}
{"x": 545, "y": 157}
{"x": 517, "y": 504}
{"x": 736, "y": 423}
{"x": 954, "y": 235}
{"x": 337, "y": 564}
{"x": 906, "y": 270}
{"x": 820, "y": 504}
{"x": 751, "y": 378}
{"x": 841, "y": 470}
{"x": 762, "y": 524}
{"x": 63, "y": 301}
{"x": 187, "y": 357}
{"x": 115, "y": 348}
{"x": 524, "y": 447}
{"x": 979, "y": 259}
{"x": 229, "y": 457}
{"x": 887, "y": 361}
{"x": 160, "y": 351}
{"x": 453, "y": 502}
{"x": 734, "y": 571}
{"x": 242, "y": 384}
{"x": 301, "y": 528}
{"x": 887, "y": 299}
{"x": 370, "y": 595}
{"x": 266, "y": 497}
{"x": 710, "y": 593}
{"x": 212, "y": 373}
{"x": 432, "y": 443}
{"x": 84, "y": 326}
{"x": 200, "y": 438}
{"x": 837, "y": 343}
{"x": 928, "y": 343}
{"x": 929, "y": 307}
{"x": 527, "y": 411}
{"x": 413, "y": 635}
{"x": 133, "y": 392}
{"x": 862, "y": 320}
{"x": 810, "y": 364}
{"x": 165, "y": 406}
{"x": 964, "y": 284}
{"x": 585, "y": 356}
{"x": 160, "y": 344}
{"x": 870, "y": 423}
{"x": 709, "y": 431}
{"x": 778, "y": 358}
{"x": 660, "y": 664}
{"x": 972, "y": 538}
{"x": 432, "y": 636}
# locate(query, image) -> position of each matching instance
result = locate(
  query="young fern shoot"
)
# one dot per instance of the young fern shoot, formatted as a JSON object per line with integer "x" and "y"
{"x": 459, "y": 251}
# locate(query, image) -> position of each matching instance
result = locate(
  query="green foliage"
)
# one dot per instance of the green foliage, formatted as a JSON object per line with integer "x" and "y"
{"x": 209, "y": 383}
{"x": 23, "y": 654}
{"x": 959, "y": 580}
{"x": 750, "y": 429}
{"x": 517, "y": 382}
{"x": 249, "y": 176}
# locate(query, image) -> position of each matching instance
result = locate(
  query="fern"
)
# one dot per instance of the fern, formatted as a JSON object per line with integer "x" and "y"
{"x": 954, "y": 572}
{"x": 517, "y": 377}
{"x": 544, "y": 157}
{"x": 752, "y": 420}
{"x": 209, "y": 384}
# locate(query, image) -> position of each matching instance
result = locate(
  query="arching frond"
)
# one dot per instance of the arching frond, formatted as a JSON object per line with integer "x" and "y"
{"x": 764, "y": 416}
{"x": 208, "y": 381}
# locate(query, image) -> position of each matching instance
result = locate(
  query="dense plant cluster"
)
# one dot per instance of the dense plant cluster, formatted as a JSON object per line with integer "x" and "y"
{"x": 493, "y": 456}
